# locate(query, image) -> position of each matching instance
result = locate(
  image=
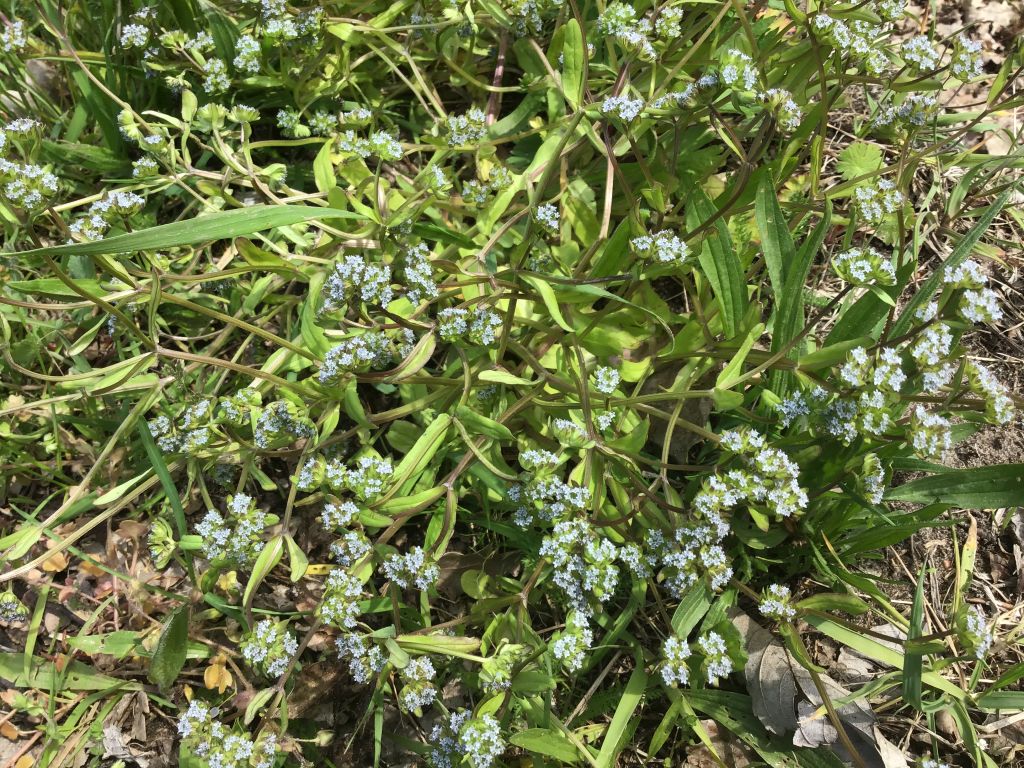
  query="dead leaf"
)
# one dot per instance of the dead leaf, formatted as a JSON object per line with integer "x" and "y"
{"x": 732, "y": 752}
{"x": 55, "y": 563}
{"x": 217, "y": 676}
{"x": 770, "y": 679}
{"x": 8, "y": 731}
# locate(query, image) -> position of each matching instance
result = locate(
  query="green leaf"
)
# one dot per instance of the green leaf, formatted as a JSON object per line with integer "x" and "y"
{"x": 789, "y": 318}
{"x": 44, "y": 675}
{"x": 297, "y": 559}
{"x": 460, "y": 647}
{"x": 958, "y": 256}
{"x": 1001, "y": 700}
{"x": 776, "y": 241}
{"x": 719, "y": 262}
{"x": 547, "y": 742}
{"x": 547, "y": 295}
{"x": 1000, "y": 485}
{"x": 423, "y": 451}
{"x": 614, "y": 737}
{"x": 213, "y": 226}
{"x": 859, "y": 159}
{"x": 573, "y": 63}
{"x": 323, "y": 169}
{"x": 691, "y": 609}
{"x": 268, "y": 559}
{"x": 503, "y": 377}
{"x": 482, "y": 425}
{"x": 914, "y": 659}
{"x": 171, "y": 648}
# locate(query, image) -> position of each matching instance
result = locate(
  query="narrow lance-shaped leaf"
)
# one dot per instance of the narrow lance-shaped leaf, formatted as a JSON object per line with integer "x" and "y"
{"x": 171, "y": 648}
{"x": 214, "y": 226}
{"x": 1001, "y": 485}
{"x": 719, "y": 263}
{"x": 957, "y": 257}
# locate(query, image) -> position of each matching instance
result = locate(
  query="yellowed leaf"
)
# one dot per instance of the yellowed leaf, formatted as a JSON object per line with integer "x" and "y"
{"x": 25, "y": 761}
{"x": 55, "y": 563}
{"x": 217, "y": 677}
{"x": 9, "y": 732}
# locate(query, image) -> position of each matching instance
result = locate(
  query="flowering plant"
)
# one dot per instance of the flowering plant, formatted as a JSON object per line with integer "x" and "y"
{"x": 494, "y": 363}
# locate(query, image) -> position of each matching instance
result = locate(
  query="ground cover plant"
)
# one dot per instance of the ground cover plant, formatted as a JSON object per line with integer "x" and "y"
{"x": 508, "y": 383}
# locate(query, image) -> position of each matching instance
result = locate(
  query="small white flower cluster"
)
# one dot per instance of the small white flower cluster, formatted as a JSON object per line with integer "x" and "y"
{"x": 269, "y": 648}
{"x": 770, "y": 480}
{"x": 682, "y": 99}
{"x": 191, "y": 435}
{"x": 282, "y": 423}
{"x": 473, "y": 742}
{"x": 978, "y": 634}
{"x": 999, "y": 407}
{"x": 920, "y": 52}
{"x": 237, "y": 538}
{"x": 410, "y": 569}
{"x": 864, "y": 266}
{"x": 356, "y": 278}
{"x": 220, "y": 746}
{"x": 883, "y": 371}
{"x": 542, "y": 496}
{"x": 12, "y": 610}
{"x": 569, "y": 647}
{"x": 26, "y": 185}
{"x": 775, "y": 603}
{"x": 787, "y": 112}
{"x": 13, "y": 38}
{"x": 791, "y": 408}
{"x": 872, "y": 479}
{"x": 248, "y": 55}
{"x": 606, "y": 380}
{"x": 915, "y": 109}
{"x": 737, "y": 71}
{"x": 323, "y": 123}
{"x": 620, "y": 22}
{"x": 622, "y": 107}
{"x": 674, "y": 669}
{"x": 568, "y": 433}
{"x": 717, "y": 663}
{"x": 134, "y": 36}
{"x": 694, "y": 553}
{"x": 365, "y": 658}
{"x": 930, "y": 433}
{"x": 583, "y": 563}
{"x": 966, "y": 63}
{"x": 367, "y": 478}
{"x": 856, "y": 39}
{"x": 370, "y": 350}
{"x": 466, "y": 129}
{"x": 664, "y": 247}
{"x": 215, "y": 76}
{"x": 350, "y": 548}
{"x": 547, "y": 216}
{"x": 338, "y": 516}
{"x": 927, "y": 762}
{"x": 874, "y": 202}
{"x": 419, "y": 277}
{"x": 978, "y": 304}
{"x": 479, "y": 327}
{"x": 237, "y": 409}
{"x": 476, "y": 192}
{"x": 380, "y": 144}
{"x": 418, "y": 691}
{"x": 102, "y": 213}
{"x": 339, "y": 606}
